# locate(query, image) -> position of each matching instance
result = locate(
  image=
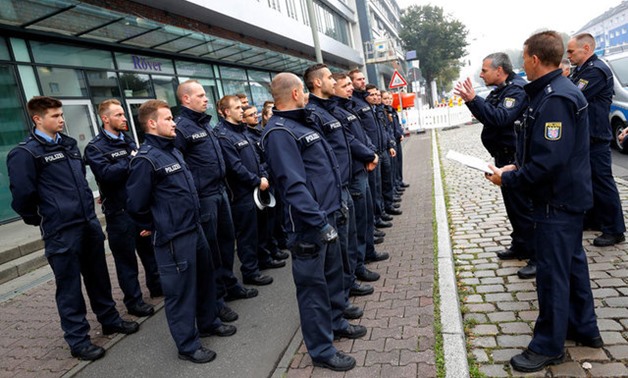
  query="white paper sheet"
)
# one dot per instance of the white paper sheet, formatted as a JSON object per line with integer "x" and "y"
{"x": 469, "y": 161}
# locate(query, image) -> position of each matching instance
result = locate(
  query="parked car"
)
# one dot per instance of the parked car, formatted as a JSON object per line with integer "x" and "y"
{"x": 618, "y": 115}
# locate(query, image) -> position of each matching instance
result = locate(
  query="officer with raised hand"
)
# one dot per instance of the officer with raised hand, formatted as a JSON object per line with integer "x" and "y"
{"x": 244, "y": 174}
{"x": 162, "y": 197}
{"x": 498, "y": 113}
{"x": 108, "y": 155}
{"x": 304, "y": 168}
{"x": 202, "y": 152}
{"x": 47, "y": 181}
{"x": 553, "y": 167}
{"x": 595, "y": 80}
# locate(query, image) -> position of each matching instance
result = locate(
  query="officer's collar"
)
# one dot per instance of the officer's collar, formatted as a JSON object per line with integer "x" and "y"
{"x": 159, "y": 141}
{"x": 340, "y": 100}
{"x": 360, "y": 94}
{"x": 298, "y": 114}
{"x": 194, "y": 116}
{"x": 537, "y": 85}
{"x": 112, "y": 137}
{"x": 237, "y": 127}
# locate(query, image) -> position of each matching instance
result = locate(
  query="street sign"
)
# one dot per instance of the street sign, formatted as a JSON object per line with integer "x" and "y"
{"x": 397, "y": 81}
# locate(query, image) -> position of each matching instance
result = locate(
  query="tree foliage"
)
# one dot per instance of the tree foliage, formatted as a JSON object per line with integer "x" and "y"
{"x": 439, "y": 41}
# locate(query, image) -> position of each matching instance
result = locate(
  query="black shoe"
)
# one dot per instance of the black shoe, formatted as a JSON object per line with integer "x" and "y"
{"x": 89, "y": 353}
{"x": 200, "y": 356}
{"x": 124, "y": 327}
{"x": 280, "y": 255}
{"x": 606, "y": 240}
{"x": 353, "y": 331}
{"x": 386, "y": 217}
{"x": 240, "y": 292}
{"x": 352, "y": 312}
{"x": 404, "y": 185}
{"x": 259, "y": 280}
{"x": 393, "y": 211}
{"x": 396, "y": 199}
{"x": 396, "y": 205}
{"x": 382, "y": 224}
{"x": 591, "y": 342}
{"x": 378, "y": 240}
{"x": 367, "y": 275}
{"x": 379, "y": 233}
{"x": 156, "y": 294}
{"x": 528, "y": 271}
{"x": 376, "y": 256}
{"x": 511, "y": 254}
{"x": 222, "y": 331}
{"x": 141, "y": 310}
{"x": 227, "y": 315}
{"x": 361, "y": 290}
{"x": 339, "y": 362}
{"x": 400, "y": 189}
{"x": 272, "y": 264}
{"x": 528, "y": 361}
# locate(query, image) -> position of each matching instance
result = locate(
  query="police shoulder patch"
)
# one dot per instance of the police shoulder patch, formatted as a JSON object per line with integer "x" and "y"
{"x": 553, "y": 130}
{"x": 582, "y": 84}
{"x": 509, "y": 102}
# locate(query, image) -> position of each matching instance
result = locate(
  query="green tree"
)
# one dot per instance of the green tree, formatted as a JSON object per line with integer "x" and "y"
{"x": 438, "y": 39}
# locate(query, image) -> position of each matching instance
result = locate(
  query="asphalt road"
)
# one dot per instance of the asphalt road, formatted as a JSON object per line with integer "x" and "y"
{"x": 620, "y": 164}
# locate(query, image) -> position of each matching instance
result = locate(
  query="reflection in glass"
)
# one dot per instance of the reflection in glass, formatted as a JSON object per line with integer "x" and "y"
{"x": 103, "y": 85}
{"x": 165, "y": 89}
{"x": 136, "y": 85}
{"x": 52, "y": 53}
{"x": 62, "y": 82}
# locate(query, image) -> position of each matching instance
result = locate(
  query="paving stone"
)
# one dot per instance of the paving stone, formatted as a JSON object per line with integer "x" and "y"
{"x": 616, "y": 302}
{"x": 515, "y": 328}
{"x": 513, "y": 306}
{"x": 568, "y": 369}
{"x": 490, "y": 288}
{"x": 480, "y": 355}
{"x": 605, "y": 293}
{"x": 611, "y": 338}
{"x": 492, "y": 281}
{"x": 613, "y": 369}
{"x": 485, "y": 329}
{"x": 478, "y": 317}
{"x": 494, "y": 370}
{"x": 484, "y": 307}
{"x": 504, "y": 355}
{"x": 483, "y": 342}
{"x": 587, "y": 354}
{"x": 610, "y": 282}
{"x": 618, "y": 352}
{"x": 504, "y": 316}
{"x": 501, "y": 297}
{"x": 510, "y": 341}
{"x": 373, "y": 357}
{"x": 528, "y": 315}
{"x": 609, "y": 325}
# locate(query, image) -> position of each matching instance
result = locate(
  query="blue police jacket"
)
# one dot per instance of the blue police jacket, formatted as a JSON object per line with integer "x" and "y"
{"x": 162, "y": 196}
{"x": 244, "y": 170}
{"x": 365, "y": 112}
{"x": 553, "y": 152}
{"x": 109, "y": 160}
{"x": 385, "y": 127}
{"x": 362, "y": 150}
{"x": 334, "y": 133}
{"x": 498, "y": 113}
{"x": 47, "y": 181}
{"x": 202, "y": 152}
{"x": 398, "y": 131}
{"x": 595, "y": 80}
{"x": 304, "y": 168}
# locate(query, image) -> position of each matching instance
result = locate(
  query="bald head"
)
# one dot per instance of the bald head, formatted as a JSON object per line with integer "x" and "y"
{"x": 192, "y": 95}
{"x": 287, "y": 91}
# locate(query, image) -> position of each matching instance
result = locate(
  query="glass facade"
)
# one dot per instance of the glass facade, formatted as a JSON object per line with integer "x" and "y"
{"x": 82, "y": 77}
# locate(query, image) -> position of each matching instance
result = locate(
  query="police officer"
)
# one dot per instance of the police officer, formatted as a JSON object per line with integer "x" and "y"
{"x": 47, "y": 181}
{"x": 305, "y": 169}
{"x": 553, "y": 157}
{"x": 203, "y": 154}
{"x": 498, "y": 113}
{"x": 244, "y": 174}
{"x": 108, "y": 155}
{"x": 398, "y": 134}
{"x": 162, "y": 197}
{"x": 595, "y": 80}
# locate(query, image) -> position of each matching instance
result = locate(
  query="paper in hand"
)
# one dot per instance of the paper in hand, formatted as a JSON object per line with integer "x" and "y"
{"x": 469, "y": 161}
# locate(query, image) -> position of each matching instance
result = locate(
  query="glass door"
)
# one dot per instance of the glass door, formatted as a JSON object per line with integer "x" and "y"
{"x": 80, "y": 124}
{"x": 133, "y": 106}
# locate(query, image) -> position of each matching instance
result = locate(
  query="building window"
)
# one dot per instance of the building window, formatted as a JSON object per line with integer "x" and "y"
{"x": 62, "y": 82}
{"x": 51, "y": 53}
{"x": 103, "y": 85}
{"x": 136, "y": 85}
{"x": 331, "y": 24}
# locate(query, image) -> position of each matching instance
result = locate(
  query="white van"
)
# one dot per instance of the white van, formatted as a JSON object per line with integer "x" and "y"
{"x": 618, "y": 62}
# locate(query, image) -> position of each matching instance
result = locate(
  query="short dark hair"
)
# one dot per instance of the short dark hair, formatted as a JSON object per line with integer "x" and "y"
{"x": 340, "y": 75}
{"x": 371, "y": 86}
{"x": 585, "y": 38}
{"x": 225, "y": 102}
{"x": 500, "y": 59}
{"x": 547, "y": 46}
{"x": 39, "y": 105}
{"x": 148, "y": 111}
{"x": 312, "y": 73}
{"x": 353, "y": 72}
{"x": 241, "y": 95}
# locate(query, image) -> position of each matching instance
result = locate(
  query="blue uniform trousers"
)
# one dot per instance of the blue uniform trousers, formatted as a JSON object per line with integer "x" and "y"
{"x": 387, "y": 180}
{"x": 218, "y": 229}
{"x": 562, "y": 280}
{"x": 188, "y": 282}
{"x": 317, "y": 274}
{"x": 375, "y": 186}
{"x": 399, "y": 169}
{"x": 348, "y": 244}
{"x": 266, "y": 243}
{"x": 245, "y": 221}
{"x": 606, "y": 213}
{"x": 73, "y": 252}
{"x": 124, "y": 239}
{"x": 363, "y": 210}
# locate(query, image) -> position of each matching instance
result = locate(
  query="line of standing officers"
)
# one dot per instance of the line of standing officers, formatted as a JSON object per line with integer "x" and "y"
{"x": 190, "y": 192}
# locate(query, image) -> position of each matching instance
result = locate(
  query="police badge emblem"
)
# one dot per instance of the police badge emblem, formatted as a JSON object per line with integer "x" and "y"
{"x": 582, "y": 84}
{"x": 509, "y": 102}
{"x": 553, "y": 130}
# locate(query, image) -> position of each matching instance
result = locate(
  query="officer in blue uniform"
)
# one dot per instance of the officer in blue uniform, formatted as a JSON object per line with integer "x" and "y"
{"x": 498, "y": 113}
{"x": 108, "y": 155}
{"x": 595, "y": 80}
{"x": 203, "y": 155}
{"x": 553, "y": 168}
{"x": 398, "y": 134}
{"x": 244, "y": 174}
{"x": 47, "y": 181}
{"x": 304, "y": 167}
{"x": 162, "y": 198}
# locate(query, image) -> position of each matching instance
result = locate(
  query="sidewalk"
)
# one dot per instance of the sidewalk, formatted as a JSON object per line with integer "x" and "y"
{"x": 499, "y": 309}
